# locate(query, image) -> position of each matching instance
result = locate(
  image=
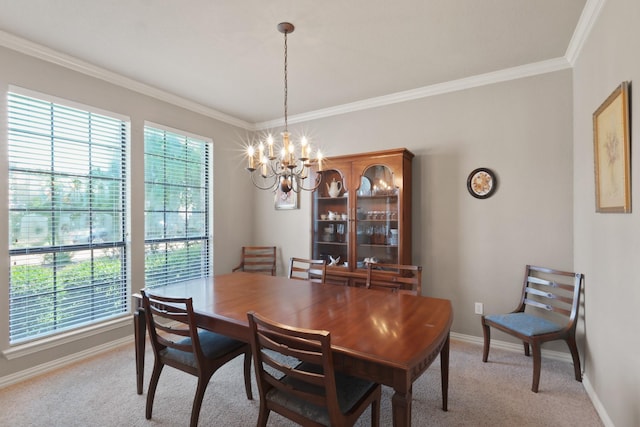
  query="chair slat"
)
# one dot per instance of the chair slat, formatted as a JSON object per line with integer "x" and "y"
{"x": 538, "y": 292}
{"x": 539, "y": 281}
{"x": 553, "y": 284}
{"x": 313, "y": 270}
{"x": 538, "y": 304}
{"x": 395, "y": 277}
{"x": 258, "y": 259}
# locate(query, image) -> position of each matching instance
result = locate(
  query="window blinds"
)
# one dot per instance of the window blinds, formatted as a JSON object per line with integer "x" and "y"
{"x": 67, "y": 201}
{"x": 177, "y": 207}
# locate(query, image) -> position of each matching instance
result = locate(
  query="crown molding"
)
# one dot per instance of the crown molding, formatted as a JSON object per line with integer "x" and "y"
{"x": 47, "y": 54}
{"x": 587, "y": 20}
{"x": 507, "y": 74}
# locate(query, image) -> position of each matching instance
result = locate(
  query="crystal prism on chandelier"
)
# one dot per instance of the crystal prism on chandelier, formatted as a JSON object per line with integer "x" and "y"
{"x": 286, "y": 167}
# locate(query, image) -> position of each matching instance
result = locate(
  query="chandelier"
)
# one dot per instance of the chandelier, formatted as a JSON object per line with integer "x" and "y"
{"x": 286, "y": 167}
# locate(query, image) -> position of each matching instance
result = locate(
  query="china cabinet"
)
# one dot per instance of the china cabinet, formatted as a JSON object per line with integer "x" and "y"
{"x": 362, "y": 212}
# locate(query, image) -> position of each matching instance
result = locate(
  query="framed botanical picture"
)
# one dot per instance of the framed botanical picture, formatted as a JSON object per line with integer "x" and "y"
{"x": 287, "y": 200}
{"x": 611, "y": 143}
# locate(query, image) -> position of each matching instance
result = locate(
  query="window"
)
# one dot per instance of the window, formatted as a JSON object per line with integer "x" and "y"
{"x": 67, "y": 210}
{"x": 177, "y": 206}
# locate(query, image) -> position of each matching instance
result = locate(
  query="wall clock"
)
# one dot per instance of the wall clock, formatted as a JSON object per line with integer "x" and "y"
{"x": 482, "y": 183}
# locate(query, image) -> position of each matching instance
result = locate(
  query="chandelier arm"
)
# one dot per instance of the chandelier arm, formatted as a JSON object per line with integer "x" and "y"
{"x": 272, "y": 186}
{"x": 300, "y": 186}
{"x": 263, "y": 166}
{"x": 298, "y": 168}
{"x": 275, "y": 167}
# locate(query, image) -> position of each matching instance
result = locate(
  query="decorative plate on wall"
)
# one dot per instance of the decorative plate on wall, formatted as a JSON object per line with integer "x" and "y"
{"x": 482, "y": 183}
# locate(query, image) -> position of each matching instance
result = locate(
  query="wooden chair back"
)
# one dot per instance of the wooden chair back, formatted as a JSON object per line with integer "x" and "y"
{"x": 258, "y": 259}
{"x": 177, "y": 342}
{"x": 296, "y": 378}
{"x": 547, "y": 311}
{"x": 313, "y": 270}
{"x": 552, "y": 292}
{"x": 401, "y": 278}
{"x": 170, "y": 321}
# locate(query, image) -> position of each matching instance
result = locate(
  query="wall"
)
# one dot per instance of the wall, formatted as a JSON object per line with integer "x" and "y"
{"x": 471, "y": 250}
{"x": 607, "y": 245}
{"x": 536, "y": 133}
{"x": 232, "y": 203}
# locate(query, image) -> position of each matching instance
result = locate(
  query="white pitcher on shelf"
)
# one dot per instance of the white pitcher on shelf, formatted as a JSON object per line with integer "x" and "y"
{"x": 334, "y": 188}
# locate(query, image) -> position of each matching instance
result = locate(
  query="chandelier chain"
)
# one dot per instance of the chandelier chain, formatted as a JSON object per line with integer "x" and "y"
{"x": 286, "y": 127}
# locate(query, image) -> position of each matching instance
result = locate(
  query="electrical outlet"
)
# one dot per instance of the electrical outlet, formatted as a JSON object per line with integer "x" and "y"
{"x": 479, "y": 308}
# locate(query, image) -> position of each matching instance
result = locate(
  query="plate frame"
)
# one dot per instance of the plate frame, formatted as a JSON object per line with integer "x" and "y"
{"x": 492, "y": 179}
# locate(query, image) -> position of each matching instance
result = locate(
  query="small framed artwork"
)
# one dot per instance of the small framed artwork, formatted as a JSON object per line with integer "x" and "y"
{"x": 482, "y": 183}
{"x": 288, "y": 200}
{"x": 612, "y": 146}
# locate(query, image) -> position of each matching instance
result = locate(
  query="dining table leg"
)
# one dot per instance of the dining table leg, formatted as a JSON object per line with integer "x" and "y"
{"x": 444, "y": 373}
{"x": 139, "y": 330}
{"x": 402, "y": 396}
{"x": 401, "y": 407}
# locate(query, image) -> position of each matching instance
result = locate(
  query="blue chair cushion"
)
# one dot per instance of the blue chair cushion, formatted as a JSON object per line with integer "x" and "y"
{"x": 524, "y": 323}
{"x": 349, "y": 390}
{"x": 213, "y": 346}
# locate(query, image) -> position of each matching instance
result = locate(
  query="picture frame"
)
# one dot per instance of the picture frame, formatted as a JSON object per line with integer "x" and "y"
{"x": 482, "y": 183}
{"x": 284, "y": 200}
{"x": 612, "y": 145}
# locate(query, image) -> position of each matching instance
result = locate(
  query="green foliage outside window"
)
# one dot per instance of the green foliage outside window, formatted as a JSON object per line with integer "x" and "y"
{"x": 61, "y": 296}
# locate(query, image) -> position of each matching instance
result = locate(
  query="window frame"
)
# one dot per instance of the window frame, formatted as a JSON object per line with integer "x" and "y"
{"x": 25, "y": 345}
{"x": 208, "y": 186}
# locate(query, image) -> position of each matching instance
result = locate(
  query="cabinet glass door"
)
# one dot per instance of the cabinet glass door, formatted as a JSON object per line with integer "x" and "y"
{"x": 377, "y": 211}
{"x": 331, "y": 220}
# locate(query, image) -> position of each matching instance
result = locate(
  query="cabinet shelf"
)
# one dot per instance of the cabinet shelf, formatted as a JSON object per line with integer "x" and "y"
{"x": 379, "y": 196}
{"x": 341, "y": 198}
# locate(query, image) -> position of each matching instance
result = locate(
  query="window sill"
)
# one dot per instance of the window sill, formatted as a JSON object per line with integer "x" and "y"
{"x": 21, "y": 350}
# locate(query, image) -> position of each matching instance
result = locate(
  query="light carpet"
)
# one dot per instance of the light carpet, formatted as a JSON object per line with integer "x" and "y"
{"x": 101, "y": 391}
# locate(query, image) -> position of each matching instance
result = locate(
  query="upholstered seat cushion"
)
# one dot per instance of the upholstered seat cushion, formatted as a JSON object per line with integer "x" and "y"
{"x": 213, "y": 346}
{"x": 524, "y": 323}
{"x": 349, "y": 390}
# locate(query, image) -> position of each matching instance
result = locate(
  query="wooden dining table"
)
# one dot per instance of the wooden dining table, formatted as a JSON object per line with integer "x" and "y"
{"x": 384, "y": 337}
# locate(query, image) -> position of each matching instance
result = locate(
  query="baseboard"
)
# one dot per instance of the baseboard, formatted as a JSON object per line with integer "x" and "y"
{"x": 550, "y": 354}
{"x": 597, "y": 404}
{"x": 62, "y": 362}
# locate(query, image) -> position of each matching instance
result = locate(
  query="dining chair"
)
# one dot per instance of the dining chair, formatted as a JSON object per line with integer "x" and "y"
{"x": 258, "y": 259}
{"x": 313, "y": 270}
{"x": 302, "y": 384}
{"x": 547, "y": 311}
{"x": 401, "y": 278}
{"x": 177, "y": 342}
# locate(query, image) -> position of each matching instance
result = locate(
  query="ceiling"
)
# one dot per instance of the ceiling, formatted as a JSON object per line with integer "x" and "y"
{"x": 227, "y": 55}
